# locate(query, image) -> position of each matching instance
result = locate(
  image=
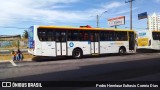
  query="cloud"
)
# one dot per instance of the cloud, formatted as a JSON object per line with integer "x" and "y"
{"x": 158, "y": 1}
{"x": 22, "y": 10}
{"x": 113, "y": 5}
{"x": 48, "y": 11}
{"x": 109, "y": 7}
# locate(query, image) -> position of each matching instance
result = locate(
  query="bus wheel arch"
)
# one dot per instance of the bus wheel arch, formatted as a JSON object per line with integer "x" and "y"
{"x": 122, "y": 50}
{"x": 77, "y": 53}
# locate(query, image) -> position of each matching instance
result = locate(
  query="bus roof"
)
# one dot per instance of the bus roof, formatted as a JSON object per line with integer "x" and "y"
{"x": 155, "y": 31}
{"x": 78, "y": 28}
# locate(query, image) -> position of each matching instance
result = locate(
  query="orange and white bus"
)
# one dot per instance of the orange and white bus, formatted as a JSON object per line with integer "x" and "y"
{"x": 72, "y": 41}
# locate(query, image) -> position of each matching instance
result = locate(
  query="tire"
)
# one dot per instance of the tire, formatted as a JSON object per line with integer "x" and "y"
{"x": 77, "y": 53}
{"x": 122, "y": 51}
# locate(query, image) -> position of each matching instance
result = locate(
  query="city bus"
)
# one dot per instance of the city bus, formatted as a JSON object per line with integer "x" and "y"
{"x": 79, "y": 41}
{"x": 148, "y": 40}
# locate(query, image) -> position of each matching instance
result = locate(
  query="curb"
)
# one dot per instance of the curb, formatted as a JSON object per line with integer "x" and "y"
{"x": 3, "y": 61}
{"x": 14, "y": 50}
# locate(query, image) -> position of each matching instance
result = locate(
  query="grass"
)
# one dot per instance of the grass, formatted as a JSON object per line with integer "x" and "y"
{"x": 8, "y": 56}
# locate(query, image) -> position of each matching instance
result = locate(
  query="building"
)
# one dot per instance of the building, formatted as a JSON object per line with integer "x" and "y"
{"x": 154, "y": 22}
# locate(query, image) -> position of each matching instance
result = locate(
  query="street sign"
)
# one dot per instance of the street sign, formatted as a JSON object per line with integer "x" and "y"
{"x": 142, "y": 15}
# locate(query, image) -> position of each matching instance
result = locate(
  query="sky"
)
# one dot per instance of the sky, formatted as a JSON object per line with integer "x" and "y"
{"x": 18, "y": 15}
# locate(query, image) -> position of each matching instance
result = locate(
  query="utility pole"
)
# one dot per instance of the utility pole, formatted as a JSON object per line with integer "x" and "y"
{"x": 97, "y": 21}
{"x": 130, "y": 1}
{"x": 98, "y": 16}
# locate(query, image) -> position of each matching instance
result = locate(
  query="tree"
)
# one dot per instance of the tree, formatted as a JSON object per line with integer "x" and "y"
{"x": 19, "y": 36}
{"x": 25, "y": 34}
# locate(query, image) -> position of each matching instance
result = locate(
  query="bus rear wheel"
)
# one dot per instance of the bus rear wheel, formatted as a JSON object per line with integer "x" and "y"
{"x": 122, "y": 51}
{"x": 77, "y": 53}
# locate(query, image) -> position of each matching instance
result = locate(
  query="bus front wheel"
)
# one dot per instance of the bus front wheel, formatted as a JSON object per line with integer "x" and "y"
{"x": 77, "y": 53}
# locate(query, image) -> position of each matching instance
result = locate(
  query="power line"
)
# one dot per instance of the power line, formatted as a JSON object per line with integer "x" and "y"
{"x": 12, "y": 27}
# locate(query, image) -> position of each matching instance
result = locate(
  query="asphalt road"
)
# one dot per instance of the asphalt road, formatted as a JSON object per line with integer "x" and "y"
{"x": 136, "y": 67}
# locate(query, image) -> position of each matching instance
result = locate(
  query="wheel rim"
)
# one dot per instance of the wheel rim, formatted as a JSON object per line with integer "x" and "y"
{"x": 77, "y": 54}
{"x": 121, "y": 51}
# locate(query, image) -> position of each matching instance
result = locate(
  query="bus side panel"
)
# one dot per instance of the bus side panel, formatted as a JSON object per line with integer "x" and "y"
{"x": 126, "y": 45}
{"x": 84, "y": 45}
{"x": 155, "y": 44}
{"x": 113, "y": 46}
{"x": 104, "y": 47}
{"x": 109, "y": 47}
{"x": 48, "y": 48}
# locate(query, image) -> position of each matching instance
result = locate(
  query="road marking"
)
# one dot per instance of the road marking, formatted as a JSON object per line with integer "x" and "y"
{"x": 14, "y": 64}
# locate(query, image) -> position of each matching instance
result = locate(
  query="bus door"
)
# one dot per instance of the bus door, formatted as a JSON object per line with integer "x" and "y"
{"x": 61, "y": 45}
{"x": 131, "y": 41}
{"x": 94, "y": 37}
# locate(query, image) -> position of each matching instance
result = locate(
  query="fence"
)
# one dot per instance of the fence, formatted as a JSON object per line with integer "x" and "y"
{"x": 4, "y": 44}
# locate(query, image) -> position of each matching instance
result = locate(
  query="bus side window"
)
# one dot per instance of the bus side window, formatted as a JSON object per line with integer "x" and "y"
{"x": 63, "y": 34}
{"x": 84, "y": 36}
{"x": 111, "y": 36}
{"x": 103, "y": 36}
{"x": 73, "y": 35}
{"x": 43, "y": 35}
{"x": 158, "y": 36}
{"x": 153, "y": 35}
{"x": 69, "y": 36}
{"x": 81, "y": 34}
{"x": 117, "y": 36}
{"x": 58, "y": 36}
{"x": 40, "y": 35}
{"x": 123, "y": 36}
{"x": 50, "y": 35}
{"x": 107, "y": 36}
{"x": 91, "y": 37}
